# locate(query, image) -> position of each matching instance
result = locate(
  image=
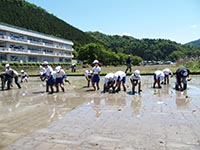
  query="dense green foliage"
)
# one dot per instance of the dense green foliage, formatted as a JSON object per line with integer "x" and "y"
{"x": 148, "y": 49}
{"x": 112, "y": 50}
{"x": 29, "y": 16}
{"x": 93, "y": 51}
{"x": 195, "y": 43}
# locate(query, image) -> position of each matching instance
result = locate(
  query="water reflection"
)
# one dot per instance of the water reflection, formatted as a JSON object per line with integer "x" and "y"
{"x": 182, "y": 99}
{"x": 136, "y": 105}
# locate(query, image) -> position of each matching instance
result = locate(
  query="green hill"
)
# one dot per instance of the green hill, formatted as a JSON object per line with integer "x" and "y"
{"x": 23, "y": 14}
{"x": 195, "y": 43}
{"x": 148, "y": 49}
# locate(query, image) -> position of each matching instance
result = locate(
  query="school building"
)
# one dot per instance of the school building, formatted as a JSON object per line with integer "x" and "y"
{"x": 21, "y": 45}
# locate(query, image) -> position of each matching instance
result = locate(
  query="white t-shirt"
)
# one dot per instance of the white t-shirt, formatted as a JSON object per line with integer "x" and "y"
{"x": 87, "y": 73}
{"x": 49, "y": 70}
{"x": 120, "y": 74}
{"x": 159, "y": 75}
{"x": 96, "y": 69}
{"x": 109, "y": 77}
{"x": 167, "y": 71}
{"x": 60, "y": 74}
{"x": 134, "y": 77}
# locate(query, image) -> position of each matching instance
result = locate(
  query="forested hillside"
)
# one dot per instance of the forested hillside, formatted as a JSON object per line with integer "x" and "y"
{"x": 29, "y": 16}
{"x": 195, "y": 43}
{"x": 148, "y": 49}
{"x": 113, "y": 49}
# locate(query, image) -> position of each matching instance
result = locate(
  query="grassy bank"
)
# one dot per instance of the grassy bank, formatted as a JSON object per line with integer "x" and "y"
{"x": 33, "y": 69}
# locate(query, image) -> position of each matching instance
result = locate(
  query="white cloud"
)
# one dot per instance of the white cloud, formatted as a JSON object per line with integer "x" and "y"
{"x": 194, "y": 26}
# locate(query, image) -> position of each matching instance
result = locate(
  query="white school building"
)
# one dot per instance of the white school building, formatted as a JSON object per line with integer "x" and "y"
{"x": 21, "y": 45}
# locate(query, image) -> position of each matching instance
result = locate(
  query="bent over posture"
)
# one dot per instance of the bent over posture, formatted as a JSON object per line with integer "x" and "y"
{"x": 181, "y": 78}
{"x": 136, "y": 80}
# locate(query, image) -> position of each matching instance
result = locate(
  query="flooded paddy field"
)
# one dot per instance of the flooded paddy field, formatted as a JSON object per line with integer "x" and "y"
{"x": 80, "y": 118}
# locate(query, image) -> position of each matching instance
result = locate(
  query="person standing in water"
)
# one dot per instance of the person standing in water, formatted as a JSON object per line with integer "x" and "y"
{"x": 96, "y": 74}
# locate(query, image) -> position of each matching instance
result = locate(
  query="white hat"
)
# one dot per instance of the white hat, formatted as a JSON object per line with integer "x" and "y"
{"x": 22, "y": 71}
{"x": 7, "y": 65}
{"x": 58, "y": 68}
{"x": 95, "y": 62}
{"x": 137, "y": 73}
{"x": 45, "y": 63}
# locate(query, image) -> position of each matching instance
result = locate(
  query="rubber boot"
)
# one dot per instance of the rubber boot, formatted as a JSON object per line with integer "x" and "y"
{"x": 185, "y": 86}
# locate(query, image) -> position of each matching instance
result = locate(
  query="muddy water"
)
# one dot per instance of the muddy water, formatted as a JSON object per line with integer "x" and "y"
{"x": 27, "y": 110}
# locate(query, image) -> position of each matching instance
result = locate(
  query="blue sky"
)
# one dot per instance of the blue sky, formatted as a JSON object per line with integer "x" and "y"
{"x": 177, "y": 20}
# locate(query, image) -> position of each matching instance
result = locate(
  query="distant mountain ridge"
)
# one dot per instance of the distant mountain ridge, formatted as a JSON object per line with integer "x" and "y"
{"x": 195, "y": 43}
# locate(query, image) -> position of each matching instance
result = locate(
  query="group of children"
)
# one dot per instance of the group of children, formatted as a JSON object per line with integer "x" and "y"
{"x": 115, "y": 80}
{"x": 53, "y": 77}
{"x": 112, "y": 81}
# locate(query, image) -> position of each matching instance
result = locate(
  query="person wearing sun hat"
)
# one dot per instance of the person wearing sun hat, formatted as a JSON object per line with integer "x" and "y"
{"x": 48, "y": 76}
{"x": 96, "y": 74}
{"x": 136, "y": 80}
{"x": 60, "y": 75}
{"x": 120, "y": 79}
{"x": 181, "y": 78}
{"x": 24, "y": 76}
{"x": 109, "y": 82}
{"x": 167, "y": 73}
{"x": 88, "y": 76}
{"x": 158, "y": 77}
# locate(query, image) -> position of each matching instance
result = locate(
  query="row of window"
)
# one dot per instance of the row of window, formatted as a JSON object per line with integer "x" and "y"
{"x": 20, "y": 48}
{"x": 18, "y": 37}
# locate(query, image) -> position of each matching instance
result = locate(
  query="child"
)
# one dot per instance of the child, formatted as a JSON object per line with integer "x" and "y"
{"x": 49, "y": 76}
{"x": 88, "y": 76}
{"x": 120, "y": 78}
{"x": 181, "y": 78}
{"x": 59, "y": 76}
{"x": 136, "y": 79}
{"x": 167, "y": 72}
{"x": 158, "y": 77}
{"x": 96, "y": 74}
{"x": 109, "y": 82}
{"x": 11, "y": 73}
{"x": 24, "y": 76}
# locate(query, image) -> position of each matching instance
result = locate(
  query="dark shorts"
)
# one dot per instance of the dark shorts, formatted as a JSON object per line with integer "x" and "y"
{"x": 50, "y": 81}
{"x": 59, "y": 80}
{"x": 124, "y": 80}
{"x": 95, "y": 78}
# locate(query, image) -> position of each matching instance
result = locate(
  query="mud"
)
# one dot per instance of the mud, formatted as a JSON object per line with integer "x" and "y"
{"x": 82, "y": 118}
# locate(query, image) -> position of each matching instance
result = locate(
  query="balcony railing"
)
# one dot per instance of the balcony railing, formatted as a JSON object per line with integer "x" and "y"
{"x": 29, "y": 52}
{"x": 34, "y": 43}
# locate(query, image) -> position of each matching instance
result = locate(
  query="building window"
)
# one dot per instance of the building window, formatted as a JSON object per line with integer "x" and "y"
{"x": 32, "y": 59}
{"x": 34, "y": 40}
{"x": 13, "y": 58}
{"x": 17, "y": 37}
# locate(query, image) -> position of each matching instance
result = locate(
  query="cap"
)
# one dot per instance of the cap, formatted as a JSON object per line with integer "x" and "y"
{"x": 7, "y": 65}
{"x": 95, "y": 62}
{"x": 22, "y": 71}
{"x": 137, "y": 73}
{"x": 45, "y": 63}
{"x": 58, "y": 68}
